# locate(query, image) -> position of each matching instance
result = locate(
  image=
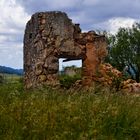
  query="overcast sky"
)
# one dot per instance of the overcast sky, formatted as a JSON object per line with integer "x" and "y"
{"x": 91, "y": 14}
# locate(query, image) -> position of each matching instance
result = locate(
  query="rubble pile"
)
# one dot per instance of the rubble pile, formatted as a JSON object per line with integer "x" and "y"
{"x": 107, "y": 75}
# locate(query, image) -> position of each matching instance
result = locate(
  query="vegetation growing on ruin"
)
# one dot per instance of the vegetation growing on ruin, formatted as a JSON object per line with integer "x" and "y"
{"x": 66, "y": 114}
{"x": 55, "y": 114}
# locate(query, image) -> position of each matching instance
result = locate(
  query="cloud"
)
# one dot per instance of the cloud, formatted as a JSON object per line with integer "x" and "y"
{"x": 12, "y": 23}
{"x": 11, "y": 56}
{"x": 13, "y": 16}
{"x": 116, "y": 23}
{"x": 88, "y": 12}
{"x": 112, "y": 25}
{"x": 91, "y": 14}
{"x": 98, "y": 9}
{"x": 45, "y": 5}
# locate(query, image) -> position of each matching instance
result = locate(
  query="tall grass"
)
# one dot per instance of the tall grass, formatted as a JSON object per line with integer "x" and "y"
{"x": 47, "y": 114}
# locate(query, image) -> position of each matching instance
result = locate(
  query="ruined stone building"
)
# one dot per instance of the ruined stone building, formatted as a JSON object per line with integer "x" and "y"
{"x": 52, "y": 35}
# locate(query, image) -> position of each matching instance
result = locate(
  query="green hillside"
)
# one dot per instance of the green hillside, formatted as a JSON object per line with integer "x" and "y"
{"x": 8, "y": 70}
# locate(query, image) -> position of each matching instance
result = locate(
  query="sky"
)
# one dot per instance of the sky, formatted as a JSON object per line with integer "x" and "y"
{"x": 106, "y": 15}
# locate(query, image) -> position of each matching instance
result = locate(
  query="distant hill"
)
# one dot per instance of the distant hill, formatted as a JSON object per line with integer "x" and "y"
{"x": 9, "y": 70}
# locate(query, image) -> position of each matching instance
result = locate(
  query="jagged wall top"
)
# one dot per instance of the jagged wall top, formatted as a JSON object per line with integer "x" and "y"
{"x": 52, "y": 35}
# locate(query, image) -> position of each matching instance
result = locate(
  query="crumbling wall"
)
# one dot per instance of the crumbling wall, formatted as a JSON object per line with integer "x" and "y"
{"x": 111, "y": 77}
{"x": 52, "y": 35}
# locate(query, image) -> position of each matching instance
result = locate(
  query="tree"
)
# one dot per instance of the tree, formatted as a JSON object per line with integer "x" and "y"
{"x": 124, "y": 50}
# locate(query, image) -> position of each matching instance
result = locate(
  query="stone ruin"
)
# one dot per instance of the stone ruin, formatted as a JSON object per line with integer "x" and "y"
{"x": 52, "y": 35}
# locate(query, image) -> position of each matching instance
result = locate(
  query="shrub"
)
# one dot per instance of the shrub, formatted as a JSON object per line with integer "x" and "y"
{"x": 67, "y": 81}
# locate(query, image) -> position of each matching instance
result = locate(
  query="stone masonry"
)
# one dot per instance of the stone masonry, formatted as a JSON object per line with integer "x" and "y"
{"x": 52, "y": 35}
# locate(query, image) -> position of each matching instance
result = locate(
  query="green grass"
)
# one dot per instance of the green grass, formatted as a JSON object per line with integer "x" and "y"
{"x": 67, "y": 81}
{"x": 47, "y": 114}
{"x": 10, "y": 78}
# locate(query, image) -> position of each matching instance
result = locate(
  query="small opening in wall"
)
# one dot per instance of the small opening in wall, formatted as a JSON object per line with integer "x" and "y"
{"x": 69, "y": 72}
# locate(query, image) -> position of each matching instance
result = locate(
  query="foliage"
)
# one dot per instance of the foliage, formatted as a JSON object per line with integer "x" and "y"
{"x": 67, "y": 81}
{"x": 116, "y": 83}
{"x": 124, "y": 50}
{"x": 59, "y": 114}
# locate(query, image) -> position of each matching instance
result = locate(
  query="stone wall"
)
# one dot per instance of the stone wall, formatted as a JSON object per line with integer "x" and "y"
{"x": 52, "y": 35}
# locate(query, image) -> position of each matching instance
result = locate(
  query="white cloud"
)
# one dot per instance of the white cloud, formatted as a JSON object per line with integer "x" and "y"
{"x": 2, "y": 38}
{"x": 12, "y": 23}
{"x": 116, "y": 23}
{"x": 11, "y": 56}
{"x": 91, "y": 14}
{"x": 13, "y": 16}
{"x": 112, "y": 25}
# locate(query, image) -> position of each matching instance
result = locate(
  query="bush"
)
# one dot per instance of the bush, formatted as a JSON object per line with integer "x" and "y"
{"x": 67, "y": 81}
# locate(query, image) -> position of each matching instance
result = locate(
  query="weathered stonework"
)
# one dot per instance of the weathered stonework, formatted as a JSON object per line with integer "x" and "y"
{"x": 52, "y": 35}
{"x": 111, "y": 77}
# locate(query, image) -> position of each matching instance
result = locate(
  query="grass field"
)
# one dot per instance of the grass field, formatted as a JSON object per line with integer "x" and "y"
{"x": 10, "y": 78}
{"x": 50, "y": 114}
